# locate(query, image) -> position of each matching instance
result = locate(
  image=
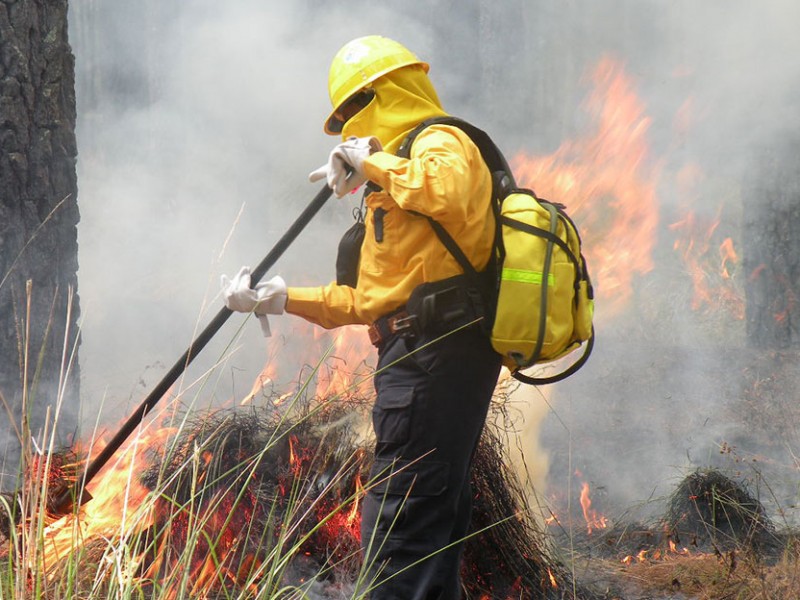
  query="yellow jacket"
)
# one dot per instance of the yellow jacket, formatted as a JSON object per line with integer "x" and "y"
{"x": 445, "y": 178}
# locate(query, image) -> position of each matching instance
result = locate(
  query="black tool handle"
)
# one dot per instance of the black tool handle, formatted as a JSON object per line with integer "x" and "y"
{"x": 65, "y": 500}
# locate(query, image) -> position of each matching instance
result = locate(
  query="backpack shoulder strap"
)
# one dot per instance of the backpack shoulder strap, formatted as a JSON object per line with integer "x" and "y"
{"x": 490, "y": 153}
{"x": 502, "y": 177}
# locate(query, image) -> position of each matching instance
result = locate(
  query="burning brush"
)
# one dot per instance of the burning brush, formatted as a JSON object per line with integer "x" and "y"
{"x": 47, "y": 477}
{"x": 708, "y": 512}
{"x": 299, "y": 509}
{"x": 509, "y": 555}
{"x": 240, "y": 493}
{"x": 263, "y": 502}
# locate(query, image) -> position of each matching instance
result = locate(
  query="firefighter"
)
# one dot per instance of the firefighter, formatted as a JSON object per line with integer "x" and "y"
{"x": 436, "y": 368}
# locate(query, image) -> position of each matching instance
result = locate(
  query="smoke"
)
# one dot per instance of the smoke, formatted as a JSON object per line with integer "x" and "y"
{"x": 199, "y": 122}
{"x": 198, "y": 128}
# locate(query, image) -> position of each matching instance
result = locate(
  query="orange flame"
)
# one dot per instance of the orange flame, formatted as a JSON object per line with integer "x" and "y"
{"x": 263, "y": 379}
{"x": 116, "y": 496}
{"x": 117, "y": 493}
{"x": 345, "y": 372}
{"x": 607, "y": 185}
{"x": 594, "y": 520}
{"x": 553, "y": 581}
{"x": 714, "y": 285}
{"x": 354, "y": 514}
{"x": 727, "y": 253}
{"x": 338, "y": 358}
{"x": 293, "y": 461}
{"x": 673, "y": 547}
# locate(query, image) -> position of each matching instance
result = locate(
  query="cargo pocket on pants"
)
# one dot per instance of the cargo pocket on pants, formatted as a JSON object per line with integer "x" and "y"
{"x": 391, "y": 415}
{"x": 407, "y": 498}
{"x": 420, "y": 478}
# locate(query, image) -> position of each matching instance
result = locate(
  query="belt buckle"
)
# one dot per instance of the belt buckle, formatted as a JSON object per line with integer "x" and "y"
{"x": 404, "y": 326}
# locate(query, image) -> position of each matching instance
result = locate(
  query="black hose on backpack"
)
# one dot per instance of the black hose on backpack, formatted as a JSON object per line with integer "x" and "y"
{"x": 563, "y": 374}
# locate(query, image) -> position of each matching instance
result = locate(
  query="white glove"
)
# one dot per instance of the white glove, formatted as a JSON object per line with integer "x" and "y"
{"x": 268, "y": 297}
{"x": 350, "y": 153}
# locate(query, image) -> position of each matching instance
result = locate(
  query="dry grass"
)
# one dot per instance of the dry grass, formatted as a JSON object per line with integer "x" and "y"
{"x": 101, "y": 567}
{"x": 714, "y": 542}
{"x": 723, "y": 576}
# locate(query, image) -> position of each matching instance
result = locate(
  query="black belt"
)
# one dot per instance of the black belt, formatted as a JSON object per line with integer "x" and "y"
{"x": 396, "y": 323}
{"x": 436, "y": 307}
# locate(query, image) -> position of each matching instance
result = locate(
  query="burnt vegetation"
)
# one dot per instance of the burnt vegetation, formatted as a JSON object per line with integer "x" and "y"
{"x": 267, "y": 502}
{"x": 267, "y": 481}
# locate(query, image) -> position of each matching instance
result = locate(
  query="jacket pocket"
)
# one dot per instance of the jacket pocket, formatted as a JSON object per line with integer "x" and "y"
{"x": 381, "y": 252}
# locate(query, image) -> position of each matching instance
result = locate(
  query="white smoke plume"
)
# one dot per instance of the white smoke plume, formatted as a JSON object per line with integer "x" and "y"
{"x": 199, "y": 122}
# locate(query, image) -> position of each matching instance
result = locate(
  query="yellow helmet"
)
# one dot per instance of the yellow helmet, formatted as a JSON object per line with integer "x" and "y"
{"x": 359, "y": 63}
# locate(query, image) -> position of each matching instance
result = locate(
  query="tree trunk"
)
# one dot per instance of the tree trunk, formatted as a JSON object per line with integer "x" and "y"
{"x": 772, "y": 250}
{"x": 38, "y": 220}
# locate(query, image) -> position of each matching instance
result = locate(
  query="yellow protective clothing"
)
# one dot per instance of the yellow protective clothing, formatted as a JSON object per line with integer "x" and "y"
{"x": 403, "y": 99}
{"x": 445, "y": 178}
{"x": 360, "y": 62}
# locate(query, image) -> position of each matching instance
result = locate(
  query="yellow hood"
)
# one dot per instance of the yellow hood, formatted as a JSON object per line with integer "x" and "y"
{"x": 403, "y": 99}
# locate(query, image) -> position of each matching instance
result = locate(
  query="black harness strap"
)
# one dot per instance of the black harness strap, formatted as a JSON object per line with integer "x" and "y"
{"x": 501, "y": 176}
{"x": 490, "y": 153}
{"x": 502, "y": 184}
{"x": 452, "y": 247}
{"x": 550, "y": 236}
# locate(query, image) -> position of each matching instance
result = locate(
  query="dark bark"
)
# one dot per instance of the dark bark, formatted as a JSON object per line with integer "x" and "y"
{"x": 38, "y": 214}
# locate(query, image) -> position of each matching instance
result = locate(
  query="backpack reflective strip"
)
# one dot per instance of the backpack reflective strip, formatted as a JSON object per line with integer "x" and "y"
{"x": 523, "y": 276}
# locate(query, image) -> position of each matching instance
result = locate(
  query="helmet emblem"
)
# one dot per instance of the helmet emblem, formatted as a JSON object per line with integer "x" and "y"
{"x": 355, "y": 53}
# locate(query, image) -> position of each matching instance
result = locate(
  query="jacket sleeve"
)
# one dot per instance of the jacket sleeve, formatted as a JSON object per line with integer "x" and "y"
{"x": 438, "y": 179}
{"x": 328, "y": 306}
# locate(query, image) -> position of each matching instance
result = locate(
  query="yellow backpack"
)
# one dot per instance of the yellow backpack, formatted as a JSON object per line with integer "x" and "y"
{"x": 542, "y": 301}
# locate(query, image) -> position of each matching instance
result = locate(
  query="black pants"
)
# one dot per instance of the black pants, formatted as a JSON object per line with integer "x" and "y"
{"x": 428, "y": 416}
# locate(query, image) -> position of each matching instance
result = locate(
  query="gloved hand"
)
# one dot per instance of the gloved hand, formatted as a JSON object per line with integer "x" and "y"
{"x": 345, "y": 167}
{"x": 268, "y": 297}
